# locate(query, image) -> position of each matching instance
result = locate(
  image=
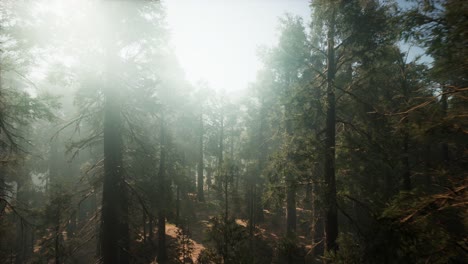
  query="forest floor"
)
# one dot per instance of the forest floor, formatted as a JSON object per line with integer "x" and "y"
{"x": 270, "y": 230}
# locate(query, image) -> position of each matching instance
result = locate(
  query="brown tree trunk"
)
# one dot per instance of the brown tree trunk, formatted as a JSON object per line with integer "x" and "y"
{"x": 405, "y": 158}
{"x": 209, "y": 172}
{"x": 291, "y": 216}
{"x": 220, "y": 156}
{"x": 114, "y": 221}
{"x": 200, "y": 194}
{"x": 331, "y": 215}
{"x": 58, "y": 235}
{"x": 115, "y": 238}
{"x": 162, "y": 253}
{"x": 258, "y": 184}
{"x": 444, "y": 101}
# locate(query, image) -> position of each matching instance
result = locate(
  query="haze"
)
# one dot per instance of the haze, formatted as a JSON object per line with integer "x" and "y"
{"x": 233, "y": 132}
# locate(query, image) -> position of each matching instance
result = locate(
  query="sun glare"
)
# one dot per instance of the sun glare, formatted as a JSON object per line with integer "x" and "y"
{"x": 218, "y": 41}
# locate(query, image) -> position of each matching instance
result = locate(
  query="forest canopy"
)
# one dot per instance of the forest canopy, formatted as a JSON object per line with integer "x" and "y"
{"x": 349, "y": 146}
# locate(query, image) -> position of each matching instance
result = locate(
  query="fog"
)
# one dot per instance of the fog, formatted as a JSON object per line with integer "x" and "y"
{"x": 233, "y": 131}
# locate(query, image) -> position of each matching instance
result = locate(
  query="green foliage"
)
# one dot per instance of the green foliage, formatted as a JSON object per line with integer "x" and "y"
{"x": 429, "y": 227}
{"x": 351, "y": 251}
{"x": 232, "y": 243}
{"x": 18, "y": 111}
{"x": 55, "y": 219}
{"x": 209, "y": 256}
{"x": 414, "y": 228}
{"x": 289, "y": 251}
{"x": 184, "y": 244}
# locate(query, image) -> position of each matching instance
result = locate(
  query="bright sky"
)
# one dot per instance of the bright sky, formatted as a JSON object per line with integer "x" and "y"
{"x": 217, "y": 40}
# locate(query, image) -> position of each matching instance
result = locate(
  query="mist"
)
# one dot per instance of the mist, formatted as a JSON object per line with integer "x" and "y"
{"x": 243, "y": 132}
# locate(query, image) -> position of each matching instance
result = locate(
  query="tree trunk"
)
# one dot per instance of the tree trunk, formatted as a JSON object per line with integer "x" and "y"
{"x": 200, "y": 194}
{"x": 209, "y": 172}
{"x": 226, "y": 215}
{"x": 258, "y": 183}
{"x": 444, "y": 101}
{"x": 115, "y": 237}
{"x": 291, "y": 209}
{"x": 405, "y": 158}
{"x": 331, "y": 215}
{"x": 178, "y": 205}
{"x": 291, "y": 216}
{"x": 150, "y": 229}
{"x": 144, "y": 225}
{"x": 162, "y": 254}
{"x": 114, "y": 223}
{"x": 58, "y": 235}
{"x": 220, "y": 156}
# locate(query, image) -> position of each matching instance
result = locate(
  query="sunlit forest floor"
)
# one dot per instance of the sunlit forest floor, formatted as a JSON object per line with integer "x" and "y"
{"x": 270, "y": 230}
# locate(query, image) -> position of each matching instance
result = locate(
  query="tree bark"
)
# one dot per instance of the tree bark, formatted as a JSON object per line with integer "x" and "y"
{"x": 405, "y": 157}
{"x": 114, "y": 222}
{"x": 444, "y": 101}
{"x": 200, "y": 194}
{"x": 331, "y": 215}
{"x": 220, "y": 155}
{"x": 115, "y": 237}
{"x": 162, "y": 253}
{"x": 291, "y": 216}
{"x": 258, "y": 184}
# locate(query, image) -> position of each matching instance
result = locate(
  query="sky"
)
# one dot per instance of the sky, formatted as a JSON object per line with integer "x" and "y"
{"x": 217, "y": 40}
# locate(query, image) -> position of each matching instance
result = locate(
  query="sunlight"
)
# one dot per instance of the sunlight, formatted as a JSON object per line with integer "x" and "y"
{"x": 246, "y": 131}
{"x": 218, "y": 41}
{"x": 60, "y": 8}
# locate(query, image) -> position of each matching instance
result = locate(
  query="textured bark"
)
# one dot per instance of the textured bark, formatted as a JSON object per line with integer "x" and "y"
{"x": 291, "y": 216}
{"x": 178, "y": 205}
{"x": 209, "y": 173}
{"x": 405, "y": 157}
{"x": 115, "y": 238}
{"x": 220, "y": 155}
{"x": 114, "y": 222}
{"x": 258, "y": 190}
{"x": 331, "y": 216}
{"x": 200, "y": 168}
{"x": 58, "y": 236}
{"x": 162, "y": 252}
{"x": 444, "y": 101}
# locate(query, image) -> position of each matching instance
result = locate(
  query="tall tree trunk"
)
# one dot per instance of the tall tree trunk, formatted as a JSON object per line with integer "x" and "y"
{"x": 58, "y": 235}
{"x": 220, "y": 153}
{"x": 200, "y": 194}
{"x": 162, "y": 253}
{"x": 291, "y": 216}
{"x": 115, "y": 238}
{"x": 178, "y": 206}
{"x": 114, "y": 222}
{"x": 444, "y": 101}
{"x": 291, "y": 208}
{"x": 143, "y": 213}
{"x": 150, "y": 229}
{"x": 331, "y": 215}
{"x": 209, "y": 172}
{"x": 258, "y": 184}
{"x": 3, "y": 192}
{"x": 3, "y": 184}
{"x": 251, "y": 210}
{"x": 405, "y": 157}
{"x": 226, "y": 215}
